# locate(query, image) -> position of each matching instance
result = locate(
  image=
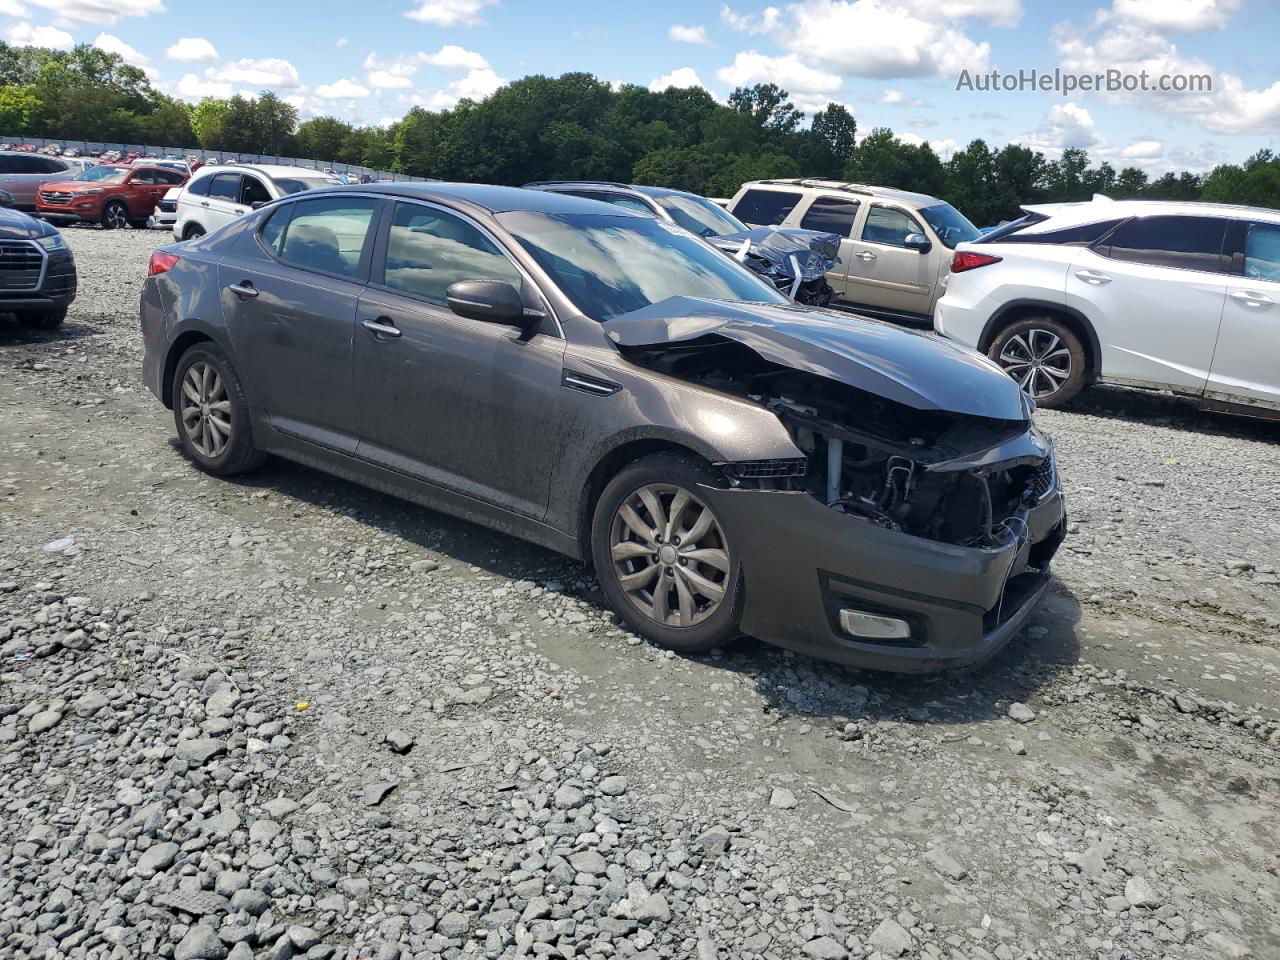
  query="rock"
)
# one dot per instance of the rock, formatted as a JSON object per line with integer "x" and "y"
{"x": 374, "y": 793}
{"x": 890, "y": 938}
{"x": 825, "y": 948}
{"x": 200, "y": 943}
{"x": 44, "y": 720}
{"x": 198, "y": 903}
{"x": 453, "y": 924}
{"x": 613, "y": 786}
{"x": 1227, "y": 946}
{"x": 569, "y": 798}
{"x": 652, "y": 907}
{"x": 253, "y": 902}
{"x": 1140, "y": 893}
{"x": 399, "y": 741}
{"x": 200, "y": 751}
{"x": 1092, "y": 863}
{"x": 782, "y": 798}
{"x": 1017, "y": 748}
{"x": 229, "y": 882}
{"x": 714, "y": 841}
{"x": 538, "y": 908}
{"x": 156, "y": 858}
{"x": 304, "y": 938}
{"x": 944, "y": 864}
{"x": 589, "y": 861}
{"x": 1021, "y": 713}
{"x": 280, "y": 807}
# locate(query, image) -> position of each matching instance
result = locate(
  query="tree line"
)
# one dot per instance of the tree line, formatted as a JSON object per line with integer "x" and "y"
{"x": 577, "y": 126}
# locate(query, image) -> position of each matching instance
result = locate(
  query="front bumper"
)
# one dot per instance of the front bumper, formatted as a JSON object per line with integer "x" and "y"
{"x": 62, "y": 215}
{"x": 804, "y": 562}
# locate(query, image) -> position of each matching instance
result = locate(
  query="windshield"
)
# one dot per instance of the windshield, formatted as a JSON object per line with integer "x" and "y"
{"x": 699, "y": 215}
{"x": 299, "y": 184}
{"x": 950, "y": 224}
{"x": 105, "y": 174}
{"x": 611, "y": 265}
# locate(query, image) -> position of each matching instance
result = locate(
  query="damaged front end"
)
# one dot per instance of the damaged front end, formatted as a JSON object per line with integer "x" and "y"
{"x": 795, "y": 261}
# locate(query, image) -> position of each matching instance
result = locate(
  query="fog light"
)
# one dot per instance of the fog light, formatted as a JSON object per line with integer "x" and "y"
{"x": 874, "y": 627}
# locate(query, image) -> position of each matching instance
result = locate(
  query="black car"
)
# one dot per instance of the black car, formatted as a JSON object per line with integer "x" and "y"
{"x": 37, "y": 270}
{"x": 611, "y": 387}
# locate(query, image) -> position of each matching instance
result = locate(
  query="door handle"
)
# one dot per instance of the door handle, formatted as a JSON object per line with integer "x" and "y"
{"x": 1250, "y": 299}
{"x": 238, "y": 211}
{"x": 1093, "y": 276}
{"x": 865, "y": 255}
{"x": 204, "y": 203}
{"x": 382, "y": 327}
{"x": 244, "y": 290}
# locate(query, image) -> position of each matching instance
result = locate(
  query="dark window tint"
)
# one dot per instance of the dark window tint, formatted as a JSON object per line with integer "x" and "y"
{"x": 429, "y": 249}
{"x": 200, "y": 187}
{"x": 147, "y": 177}
{"x": 49, "y": 165}
{"x": 171, "y": 177}
{"x": 273, "y": 229}
{"x": 225, "y": 186}
{"x": 765, "y": 207}
{"x": 831, "y": 215}
{"x": 1262, "y": 252}
{"x": 9, "y": 164}
{"x": 1188, "y": 243}
{"x": 1078, "y": 236}
{"x": 618, "y": 200}
{"x": 254, "y": 191}
{"x": 328, "y": 234}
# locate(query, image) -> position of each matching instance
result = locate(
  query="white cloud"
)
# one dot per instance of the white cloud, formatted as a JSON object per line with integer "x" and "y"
{"x": 105, "y": 12}
{"x": 113, "y": 44}
{"x": 449, "y": 13}
{"x": 997, "y": 13}
{"x": 453, "y": 57}
{"x": 680, "y": 78}
{"x": 397, "y": 72}
{"x": 749, "y": 22}
{"x": 682, "y": 34}
{"x": 267, "y": 72}
{"x": 342, "y": 89}
{"x": 386, "y": 80}
{"x": 1143, "y": 150}
{"x": 191, "y": 87}
{"x": 1065, "y": 125}
{"x": 896, "y": 98}
{"x": 12, "y": 8}
{"x": 192, "y": 50}
{"x": 340, "y": 42}
{"x": 25, "y": 35}
{"x": 921, "y": 123}
{"x": 476, "y": 85}
{"x": 810, "y": 89}
{"x": 1184, "y": 15}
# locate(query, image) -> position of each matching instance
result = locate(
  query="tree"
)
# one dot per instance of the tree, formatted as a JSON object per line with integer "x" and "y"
{"x": 322, "y": 138}
{"x": 768, "y": 105}
{"x": 209, "y": 120}
{"x": 838, "y": 131}
{"x": 19, "y": 107}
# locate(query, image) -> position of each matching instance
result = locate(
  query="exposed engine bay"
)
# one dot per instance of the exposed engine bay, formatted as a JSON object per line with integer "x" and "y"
{"x": 795, "y": 261}
{"x": 913, "y": 471}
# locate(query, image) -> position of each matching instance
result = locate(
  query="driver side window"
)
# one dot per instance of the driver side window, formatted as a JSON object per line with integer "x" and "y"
{"x": 1262, "y": 252}
{"x": 253, "y": 190}
{"x": 888, "y": 226}
{"x": 428, "y": 250}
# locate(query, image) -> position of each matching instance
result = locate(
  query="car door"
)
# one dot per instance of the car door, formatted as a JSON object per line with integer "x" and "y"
{"x": 836, "y": 215}
{"x": 289, "y": 295}
{"x": 145, "y": 191}
{"x": 1246, "y": 363}
{"x": 1154, "y": 290}
{"x": 465, "y": 405}
{"x": 24, "y": 174}
{"x": 882, "y": 271}
{"x": 222, "y": 205}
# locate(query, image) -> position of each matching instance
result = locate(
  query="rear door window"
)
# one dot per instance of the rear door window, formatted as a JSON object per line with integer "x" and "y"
{"x": 200, "y": 187}
{"x": 327, "y": 234}
{"x": 225, "y": 186}
{"x": 1185, "y": 243}
{"x": 765, "y": 207}
{"x": 831, "y": 215}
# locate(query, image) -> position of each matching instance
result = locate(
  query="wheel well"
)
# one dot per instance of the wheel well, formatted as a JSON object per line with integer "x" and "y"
{"x": 180, "y": 346}
{"x": 607, "y": 469}
{"x": 1069, "y": 318}
{"x": 186, "y": 230}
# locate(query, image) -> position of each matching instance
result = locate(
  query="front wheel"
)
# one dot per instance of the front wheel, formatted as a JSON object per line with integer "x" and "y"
{"x": 212, "y": 414}
{"x": 115, "y": 216}
{"x": 665, "y": 561}
{"x": 1045, "y": 356}
{"x": 49, "y": 319}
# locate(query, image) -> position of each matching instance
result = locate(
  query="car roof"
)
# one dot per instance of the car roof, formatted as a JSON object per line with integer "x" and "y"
{"x": 915, "y": 200}
{"x": 271, "y": 170}
{"x": 488, "y": 197}
{"x": 639, "y": 188}
{"x": 1104, "y": 208}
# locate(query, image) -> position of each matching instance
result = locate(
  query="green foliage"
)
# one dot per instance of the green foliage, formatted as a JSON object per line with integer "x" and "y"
{"x": 19, "y": 107}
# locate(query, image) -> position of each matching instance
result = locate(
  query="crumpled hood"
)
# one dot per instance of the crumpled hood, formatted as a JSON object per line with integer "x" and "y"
{"x": 817, "y": 253}
{"x": 919, "y": 370}
{"x": 16, "y": 225}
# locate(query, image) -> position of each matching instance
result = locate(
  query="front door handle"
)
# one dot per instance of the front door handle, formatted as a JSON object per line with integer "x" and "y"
{"x": 1093, "y": 277}
{"x": 244, "y": 290}
{"x": 204, "y": 203}
{"x": 1250, "y": 299}
{"x": 382, "y": 327}
{"x": 866, "y": 255}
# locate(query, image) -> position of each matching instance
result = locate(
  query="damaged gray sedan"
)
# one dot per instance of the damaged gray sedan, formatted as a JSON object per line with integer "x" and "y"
{"x": 607, "y": 385}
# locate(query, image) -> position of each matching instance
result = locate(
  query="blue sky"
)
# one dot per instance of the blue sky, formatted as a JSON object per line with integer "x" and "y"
{"x": 892, "y": 62}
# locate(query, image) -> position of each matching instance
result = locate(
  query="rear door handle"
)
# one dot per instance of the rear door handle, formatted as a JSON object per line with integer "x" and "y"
{"x": 866, "y": 255}
{"x": 245, "y": 290}
{"x": 1250, "y": 299}
{"x": 382, "y": 327}
{"x": 204, "y": 203}
{"x": 1093, "y": 276}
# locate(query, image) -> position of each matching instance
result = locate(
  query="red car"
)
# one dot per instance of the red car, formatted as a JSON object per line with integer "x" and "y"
{"x": 113, "y": 195}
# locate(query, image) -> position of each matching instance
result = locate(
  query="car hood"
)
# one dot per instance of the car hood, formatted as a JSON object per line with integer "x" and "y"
{"x": 15, "y": 225}
{"x": 76, "y": 186}
{"x": 919, "y": 370}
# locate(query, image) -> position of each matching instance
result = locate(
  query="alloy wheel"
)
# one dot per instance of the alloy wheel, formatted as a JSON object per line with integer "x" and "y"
{"x": 1038, "y": 360}
{"x": 116, "y": 217}
{"x": 669, "y": 555}
{"x": 206, "y": 410}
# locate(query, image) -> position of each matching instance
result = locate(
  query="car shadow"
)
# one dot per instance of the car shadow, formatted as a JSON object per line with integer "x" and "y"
{"x": 1167, "y": 410}
{"x": 15, "y": 333}
{"x": 790, "y": 684}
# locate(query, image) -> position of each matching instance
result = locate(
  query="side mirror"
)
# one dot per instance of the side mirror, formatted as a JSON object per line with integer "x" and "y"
{"x": 259, "y": 204}
{"x": 492, "y": 301}
{"x": 917, "y": 242}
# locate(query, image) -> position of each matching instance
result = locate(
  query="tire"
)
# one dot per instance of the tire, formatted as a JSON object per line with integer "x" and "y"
{"x": 138, "y": 224}
{"x": 192, "y": 231}
{"x": 220, "y": 440}
{"x": 1044, "y": 356}
{"x": 692, "y": 583}
{"x": 44, "y": 319}
{"x": 114, "y": 215}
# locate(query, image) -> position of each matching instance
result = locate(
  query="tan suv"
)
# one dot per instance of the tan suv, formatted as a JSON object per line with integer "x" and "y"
{"x": 897, "y": 246}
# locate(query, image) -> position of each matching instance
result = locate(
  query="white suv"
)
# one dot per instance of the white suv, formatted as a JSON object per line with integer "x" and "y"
{"x": 1154, "y": 294}
{"x": 216, "y": 195}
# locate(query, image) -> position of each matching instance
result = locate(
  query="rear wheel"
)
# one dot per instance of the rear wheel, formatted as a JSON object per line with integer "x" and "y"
{"x": 211, "y": 412}
{"x": 664, "y": 559}
{"x": 115, "y": 215}
{"x": 1044, "y": 356}
{"x": 192, "y": 231}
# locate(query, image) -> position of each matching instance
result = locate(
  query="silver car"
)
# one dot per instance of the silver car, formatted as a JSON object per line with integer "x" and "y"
{"x": 22, "y": 174}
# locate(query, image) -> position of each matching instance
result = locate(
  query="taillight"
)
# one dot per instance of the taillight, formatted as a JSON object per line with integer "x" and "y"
{"x": 968, "y": 260}
{"x": 161, "y": 262}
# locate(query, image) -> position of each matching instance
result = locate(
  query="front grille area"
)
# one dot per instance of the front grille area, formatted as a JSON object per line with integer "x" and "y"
{"x": 1042, "y": 480}
{"x": 767, "y": 469}
{"x": 55, "y": 197}
{"x": 168, "y": 206}
{"x": 20, "y": 264}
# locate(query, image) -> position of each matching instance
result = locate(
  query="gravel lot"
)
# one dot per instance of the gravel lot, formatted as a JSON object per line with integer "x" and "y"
{"x": 287, "y": 716}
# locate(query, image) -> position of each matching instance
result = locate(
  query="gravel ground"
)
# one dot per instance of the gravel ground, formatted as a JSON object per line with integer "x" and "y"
{"x": 286, "y": 716}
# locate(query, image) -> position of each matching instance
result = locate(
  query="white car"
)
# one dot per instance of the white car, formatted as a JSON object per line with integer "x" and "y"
{"x": 1154, "y": 294}
{"x": 216, "y": 195}
{"x": 167, "y": 209}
